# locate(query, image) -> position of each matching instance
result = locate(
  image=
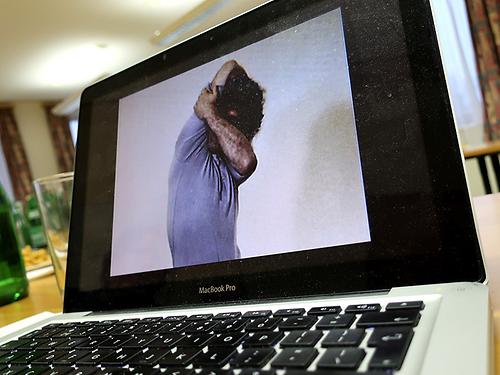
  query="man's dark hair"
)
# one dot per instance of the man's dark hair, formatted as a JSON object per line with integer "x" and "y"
{"x": 244, "y": 95}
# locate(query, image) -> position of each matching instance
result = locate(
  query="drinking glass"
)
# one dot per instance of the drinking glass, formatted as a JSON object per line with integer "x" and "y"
{"x": 54, "y": 194}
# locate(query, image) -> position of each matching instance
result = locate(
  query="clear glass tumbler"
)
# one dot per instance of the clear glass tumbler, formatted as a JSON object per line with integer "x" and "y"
{"x": 54, "y": 195}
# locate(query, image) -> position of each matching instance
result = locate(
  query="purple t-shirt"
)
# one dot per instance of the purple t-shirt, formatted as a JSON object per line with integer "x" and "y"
{"x": 202, "y": 200}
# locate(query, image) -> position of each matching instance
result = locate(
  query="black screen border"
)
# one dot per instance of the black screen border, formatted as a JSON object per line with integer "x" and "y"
{"x": 357, "y": 267}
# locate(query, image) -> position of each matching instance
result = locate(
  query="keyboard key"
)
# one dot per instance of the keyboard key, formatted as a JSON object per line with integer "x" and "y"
{"x": 149, "y": 358}
{"x": 120, "y": 358}
{"x": 295, "y": 358}
{"x": 114, "y": 342}
{"x": 178, "y": 371}
{"x": 198, "y": 340}
{"x": 255, "y": 371}
{"x": 9, "y": 357}
{"x": 419, "y": 305}
{"x": 201, "y": 326}
{"x": 336, "y": 321}
{"x": 389, "y": 318}
{"x": 27, "y": 357}
{"x": 362, "y": 308}
{"x": 324, "y": 310}
{"x": 59, "y": 370}
{"x": 149, "y": 371}
{"x": 298, "y": 323}
{"x": 138, "y": 342}
{"x": 343, "y": 337}
{"x": 127, "y": 321}
{"x": 228, "y": 339}
{"x": 148, "y": 329}
{"x": 34, "y": 370}
{"x": 347, "y": 358}
{"x": 177, "y": 318}
{"x": 31, "y": 335}
{"x": 199, "y": 317}
{"x": 257, "y": 314}
{"x": 14, "y": 344}
{"x": 214, "y": 372}
{"x": 388, "y": 357}
{"x": 227, "y": 315}
{"x": 400, "y": 336}
{"x": 71, "y": 357}
{"x": 85, "y": 371}
{"x": 151, "y": 320}
{"x": 230, "y": 325}
{"x": 94, "y": 358}
{"x": 214, "y": 357}
{"x": 48, "y": 358}
{"x": 181, "y": 357}
{"x": 301, "y": 338}
{"x": 263, "y": 324}
{"x": 114, "y": 371}
{"x": 178, "y": 327}
{"x": 166, "y": 341}
{"x": 262, "y": 339}
{"x": 289, "y": 312}
{"x": 254, "y": 357}
{"x": 72, "y": 343}
{"x": 33, "y": 344}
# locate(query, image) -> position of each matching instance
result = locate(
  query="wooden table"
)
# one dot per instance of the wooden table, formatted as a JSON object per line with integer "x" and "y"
{"x": 44, "y": 295}
{"x": 480, "y": 153}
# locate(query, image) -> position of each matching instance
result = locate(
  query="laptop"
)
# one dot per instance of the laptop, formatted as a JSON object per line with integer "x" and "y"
{"x": 282, "y": 194}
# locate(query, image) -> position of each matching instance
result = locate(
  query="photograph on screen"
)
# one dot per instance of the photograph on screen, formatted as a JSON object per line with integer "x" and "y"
{"x": 252, "y": 154}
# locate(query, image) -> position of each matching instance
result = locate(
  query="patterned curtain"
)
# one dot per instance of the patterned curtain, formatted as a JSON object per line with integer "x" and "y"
{"x": 15, "y": 156}
{"x": 61, "y": 139}
{"x": 485, "y": 24}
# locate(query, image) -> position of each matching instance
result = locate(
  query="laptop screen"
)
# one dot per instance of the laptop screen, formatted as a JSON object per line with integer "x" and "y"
{"x": 306, "y": 147}
{"x": 251, "y": 154}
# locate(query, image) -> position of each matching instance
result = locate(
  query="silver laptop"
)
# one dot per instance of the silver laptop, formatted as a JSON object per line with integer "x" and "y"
{"x": 283, "y": 194}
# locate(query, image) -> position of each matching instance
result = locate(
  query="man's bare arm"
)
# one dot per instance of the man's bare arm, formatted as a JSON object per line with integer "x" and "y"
{"x": 235, "y": 146}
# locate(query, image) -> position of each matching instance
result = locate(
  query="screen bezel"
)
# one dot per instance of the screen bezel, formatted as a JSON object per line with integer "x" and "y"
{"x": 355, "y": 268}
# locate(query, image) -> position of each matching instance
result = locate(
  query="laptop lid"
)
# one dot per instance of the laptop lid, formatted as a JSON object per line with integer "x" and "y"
{"x": 344, "y": 175}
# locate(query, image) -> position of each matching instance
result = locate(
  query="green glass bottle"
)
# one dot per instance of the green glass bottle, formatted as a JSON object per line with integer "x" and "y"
{"x": 13, "y": 281}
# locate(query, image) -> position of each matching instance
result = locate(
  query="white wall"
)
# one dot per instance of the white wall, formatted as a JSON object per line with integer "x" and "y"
{"x": 34, "y": 130}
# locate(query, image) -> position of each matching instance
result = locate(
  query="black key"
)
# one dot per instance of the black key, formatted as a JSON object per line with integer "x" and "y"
{"x": 176, "y": 318}
{"x": 256, "y": 371}
{"x": 166, "y": 341}
{"x": 31, "y": 335}
{"x": 295, "y": 358}
{"x": 227, "y": 315}
{"x": 214, "y": 357}
{"x": 178, "y": 371}
{"x": 254, "y": 357}
{"x": 96, "y": 332}
{"x": 148, "y": 329}
{"x": 214, "y": 372}
{"x": 400, "y": 336}
{"x": 388, "y": 357}
{"x": 71, "y": 357}
{"x": 59, "y": 370}
{"x": 33, "y": 344}
{"x": 138, "y": 342}
{"x": 346, "y": 358}
{"x": 151, "y": 320}
{"x": 27, "y": 357}
{"x": 301, "y": 338}
{"x": 14, "y": 344}
{"x": 84, "y": 371}
{"x": 389, "y": 318}
{"x": 298, "y": 323}
{"x": 262, "y": 339}
{"x": 230, "y": 325}
{"x": 324, "y": 310}
{"x": 91, "y": 344}
{"x": 198, "y": 340}
{"x": 127, "y": 321}
{"x": 362, "y": 308}
{"x": 122, "y": 330}
{"x": 146, "y": 371}
{"x": 108, "y": 322}
{"x": 419, "y": 305}
{"x": 201, "y": 326}
{"x": 181, "y": 357}
{"x": 114, "y": 342}
{"x": 49, "y": 333}
{"x": 9, "y": 357}
{"x": 12, "y": 370}
{"x": 94, "y": 358}
{"x": 289, "y": 312}
{"x": 257, "y": 314}
{"x": 149, "y": 358}
{"x": 228, "y": 339}
{"x": 72, "y": 343}
{"x": 335, "y": 372}
{"x": 120, "y": 358}
{"x": 199, "y": 317}
{"x": 49, "y": 358}
{"x": 34, "y": 370}
{"x": 336, "y": 321}
{"x": 68, "y": 332}
{"x": 343, "y": 337}
{"x": 178, "y": 327}
{"x": 114, "y": 371}
{"x": 51, "y": 344}
{"x": 263, "y": 324}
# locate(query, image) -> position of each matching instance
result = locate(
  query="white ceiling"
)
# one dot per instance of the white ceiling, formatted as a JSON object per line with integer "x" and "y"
{"x": 52, "y": 48}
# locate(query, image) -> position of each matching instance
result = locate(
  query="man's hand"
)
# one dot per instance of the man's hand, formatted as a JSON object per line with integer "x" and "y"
{"x": 205, "y": 105}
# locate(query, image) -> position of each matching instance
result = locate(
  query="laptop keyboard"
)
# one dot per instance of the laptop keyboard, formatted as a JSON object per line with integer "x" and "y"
{"x": 288, "y": 341}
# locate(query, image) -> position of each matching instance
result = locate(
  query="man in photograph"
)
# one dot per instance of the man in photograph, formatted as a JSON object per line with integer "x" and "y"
{"x": 213, "y": 157}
